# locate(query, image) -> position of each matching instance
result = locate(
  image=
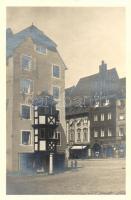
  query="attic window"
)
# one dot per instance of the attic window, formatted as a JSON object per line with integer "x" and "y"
{"x": 40, "y": 49}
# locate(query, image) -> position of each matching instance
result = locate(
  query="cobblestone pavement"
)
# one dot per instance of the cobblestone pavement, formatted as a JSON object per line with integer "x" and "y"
{"x": 91, "y": 177}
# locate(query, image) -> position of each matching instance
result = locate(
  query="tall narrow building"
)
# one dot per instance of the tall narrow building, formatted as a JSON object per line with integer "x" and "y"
{"x": 33, "y": 66}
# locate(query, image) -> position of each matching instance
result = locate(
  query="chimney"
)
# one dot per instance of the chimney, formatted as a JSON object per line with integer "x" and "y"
{"x": 102, "y": 67}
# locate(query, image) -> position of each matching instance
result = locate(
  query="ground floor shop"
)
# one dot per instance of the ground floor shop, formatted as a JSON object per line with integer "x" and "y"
{"x": 39, "y": 162}
{"x": 106, "y": 150}
{"x": 98, "y": 150}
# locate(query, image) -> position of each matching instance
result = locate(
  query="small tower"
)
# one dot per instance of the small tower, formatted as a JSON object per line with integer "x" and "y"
{"x": 45, "y": 124}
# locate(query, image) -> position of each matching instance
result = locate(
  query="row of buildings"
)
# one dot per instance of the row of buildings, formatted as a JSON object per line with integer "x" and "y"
{"x": 92, "y": 123}
{"x": 96, "y": 115}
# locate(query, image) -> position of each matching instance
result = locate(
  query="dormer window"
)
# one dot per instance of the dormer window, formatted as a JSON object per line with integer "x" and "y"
{"x": 41, "y": 49}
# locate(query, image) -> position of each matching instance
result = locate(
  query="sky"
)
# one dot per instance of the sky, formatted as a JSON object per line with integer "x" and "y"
{"x": 85, "y": 36}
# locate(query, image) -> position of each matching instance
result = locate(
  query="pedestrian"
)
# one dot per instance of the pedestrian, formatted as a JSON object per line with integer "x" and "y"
{"x": 71, "y": 164}
{"x": 75, "y": 164}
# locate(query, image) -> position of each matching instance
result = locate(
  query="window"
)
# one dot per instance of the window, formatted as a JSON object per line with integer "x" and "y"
{"x": 25, "y": 112}
{"x": 102, "y": 117}
{"x": 56, "y": 92}
{"x": 41, "y": 49}
{"x": 41, "y": 119}
{"x": 107, "y": 102}
{"x": 78, "y": 134}
{"x": 72, "y": 135}
{"x": 42, "y": 133}
{"x": 26, "y": 137}
{"x": 26, "y": 86}
{"x": 36, "y": 131}
{"x": 78, "y": 122}
{"x": 121, "y": 132}
{"x": 109, "y": 132}
{"x": 95, "y": 133}
{"x": 56, "y": 71}
{"x": 102, "y": 132}
{"x": 121, "y": 117}
{"x": 85, "y": 131}
{"x": 58, "y": 136}
{"x": 109, "y": 116}
{"x": 26, "y": 63}
{"x": 95, "y": 118}
{"x": 85, "y": 121}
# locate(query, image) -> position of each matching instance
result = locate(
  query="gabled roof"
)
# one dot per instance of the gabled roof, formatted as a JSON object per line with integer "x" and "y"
{"x": 88, "y": 83}
{"x": 38, "y": 37}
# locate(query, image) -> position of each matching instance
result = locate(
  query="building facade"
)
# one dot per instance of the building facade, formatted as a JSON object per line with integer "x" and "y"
{"x": 107, "y": 125}
{"x": 33, "y": 66}
{"x": 78, "y": 132}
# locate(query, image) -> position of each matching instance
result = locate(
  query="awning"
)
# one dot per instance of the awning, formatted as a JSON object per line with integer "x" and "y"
{"x": 78, "y": 147}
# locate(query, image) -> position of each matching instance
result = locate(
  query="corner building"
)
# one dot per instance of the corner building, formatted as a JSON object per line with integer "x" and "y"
{"x": 33, "y": 66}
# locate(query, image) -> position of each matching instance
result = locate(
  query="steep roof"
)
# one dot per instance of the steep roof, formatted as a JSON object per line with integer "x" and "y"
{"x": 89, "y": 82}
{"x": 38, "y": 37}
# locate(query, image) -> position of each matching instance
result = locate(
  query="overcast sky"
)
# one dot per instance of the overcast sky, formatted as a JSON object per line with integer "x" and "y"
{"x": 84, "y": 36}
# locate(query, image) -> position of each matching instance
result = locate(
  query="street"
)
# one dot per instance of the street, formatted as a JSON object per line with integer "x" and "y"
{"x": 96, "y": 176}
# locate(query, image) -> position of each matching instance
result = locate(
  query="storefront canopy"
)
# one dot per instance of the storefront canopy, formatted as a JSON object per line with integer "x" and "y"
{"x": 78, "y": 147}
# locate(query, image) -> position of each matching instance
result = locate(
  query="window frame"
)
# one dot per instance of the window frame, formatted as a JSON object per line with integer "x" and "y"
{"x": 40, "y": 52}
{"x": 102, "y": 132}
{"x": 56, "y": 133}
{"x": 56, "y": 86}
{"x": 56, "y": 65}
{"x": 79, "y": 132}
{"x": 85, "y": 133}
{"x": 21, "y": 92}
{"x": 121, "y": 115}
{"x": 123, "y": 132}
{"x": 109, "y": 135}
{"x": 21, "y": 111}
{"x": 95, "y": 131}
{"x": 31, "y": 139}
{"x": 109, "y": 115}
{"x": 95, "y": 118}
{"x": 30, "y": 68}
{"x": 102, "y": 117}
